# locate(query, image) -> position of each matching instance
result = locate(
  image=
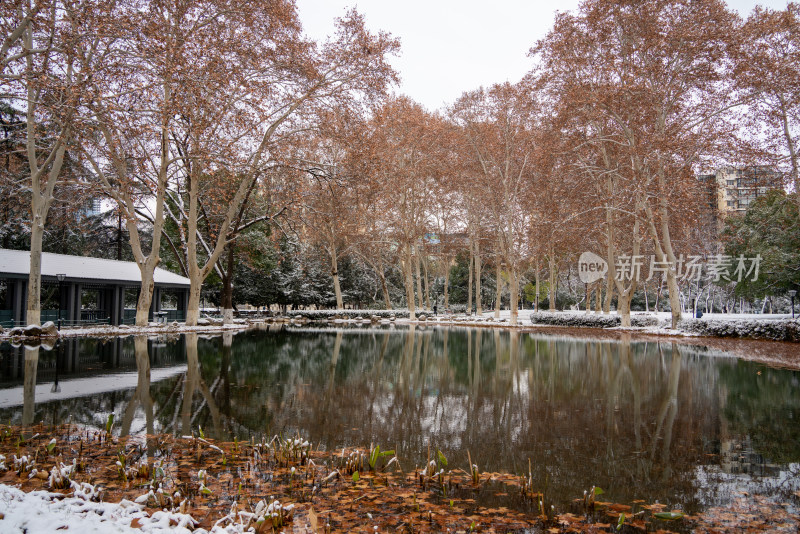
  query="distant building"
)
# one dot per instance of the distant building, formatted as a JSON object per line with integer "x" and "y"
{"x": 732, "y": 190}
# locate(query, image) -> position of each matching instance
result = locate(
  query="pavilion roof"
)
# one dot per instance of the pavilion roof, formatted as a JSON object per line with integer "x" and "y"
{"x": 16, "y": 263}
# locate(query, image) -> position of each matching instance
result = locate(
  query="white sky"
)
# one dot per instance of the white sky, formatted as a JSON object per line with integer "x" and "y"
{"x": 452, "y": 46}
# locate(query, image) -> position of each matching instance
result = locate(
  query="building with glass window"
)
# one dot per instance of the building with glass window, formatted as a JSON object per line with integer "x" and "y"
{"x": 732, "y": 190}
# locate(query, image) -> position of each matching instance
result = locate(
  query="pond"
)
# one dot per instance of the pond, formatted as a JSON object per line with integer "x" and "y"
{"x": 684, "y": 425}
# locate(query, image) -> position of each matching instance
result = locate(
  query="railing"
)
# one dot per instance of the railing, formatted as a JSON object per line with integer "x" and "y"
{"x": 95, "y": 317}
{"x": 129, "y": 316}
{"x": 174, "y": 315}
{"x": 52, "y": 315}
{"x": 87, "y": 317}
{"x": 7, "y": 319}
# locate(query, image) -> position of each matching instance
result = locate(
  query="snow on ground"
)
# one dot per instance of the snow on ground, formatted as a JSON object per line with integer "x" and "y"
{"x": 643, "y": 322}
{"x": 44, "y": 512}
{"x": 524, "y": 315}
{"x": 152, "y": 328}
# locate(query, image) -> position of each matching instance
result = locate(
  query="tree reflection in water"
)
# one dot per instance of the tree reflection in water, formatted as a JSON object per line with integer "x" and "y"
{"x": 638, "y": 419}
{"x": 31, "y": 367}
{"x": 141, "y": 396}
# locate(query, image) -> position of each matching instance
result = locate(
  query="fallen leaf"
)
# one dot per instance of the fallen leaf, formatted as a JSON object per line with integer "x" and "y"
{"x": 619, "y": 507}
{"x": 312, "y": 519}
{"x": 668, "y": 516}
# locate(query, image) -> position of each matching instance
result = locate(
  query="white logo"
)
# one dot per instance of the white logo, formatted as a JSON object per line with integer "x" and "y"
{"x": 591, "y": 267}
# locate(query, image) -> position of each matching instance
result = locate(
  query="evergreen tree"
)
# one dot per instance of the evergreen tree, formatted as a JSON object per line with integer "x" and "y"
{"x": 770, "y": 228}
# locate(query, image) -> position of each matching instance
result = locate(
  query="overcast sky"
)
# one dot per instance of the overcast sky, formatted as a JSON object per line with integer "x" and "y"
{"x": 452, "y": 46}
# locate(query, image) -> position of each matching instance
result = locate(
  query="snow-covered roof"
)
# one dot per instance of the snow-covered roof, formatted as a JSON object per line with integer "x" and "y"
{"x": 17, "y": 263}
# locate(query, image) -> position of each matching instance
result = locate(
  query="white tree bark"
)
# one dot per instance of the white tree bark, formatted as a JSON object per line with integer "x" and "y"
{"x": 498, "y": 289}
{"x": 478, "y": 303}
{"x": 409, "y": 281}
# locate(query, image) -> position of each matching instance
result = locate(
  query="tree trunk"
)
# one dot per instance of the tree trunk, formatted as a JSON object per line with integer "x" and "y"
{"x": 145, "y": 298}
{"x": 478, "y": 299}
{"x": 337, "y": 289}
{"x": 499, "y": 290}
{"x": 674, "y": 298}
{"x": 29, "y": 385}
{"x": 794, "y": 160}
{"x": 147, "y": 265}
{"x": 588, "y": 298}
{"x": 426, "y": 280}
{"x": 447, "y": 285}
{"x": 34, "y": 306}
{"x": 191, "y": 382}
{"x": 417, "y": 261}
{"x": 598, "y": 295}
{"x": 226, "y": 298}
{"x": 385, "y": 289}
{"x": 664, "y": 253}
{"x": 468, "y": 309}
{"x": 119, "y": 234}
{"x": 40, "y": 199}
{"x": 625, "y": 294}
{"x": 552, "y": 285}
{"x": 514, "y": 294}
{"x": 193, "y": 307}
{"x": 624, "y": 308}
{"x": 536, "y": 301}
{"x": 40, "y": 206}
{"x": 141, "y": 397}
{"x": 409, "y": 281}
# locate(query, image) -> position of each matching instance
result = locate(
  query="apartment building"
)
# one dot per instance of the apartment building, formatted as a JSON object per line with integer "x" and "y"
{"x": 736, "y": 189}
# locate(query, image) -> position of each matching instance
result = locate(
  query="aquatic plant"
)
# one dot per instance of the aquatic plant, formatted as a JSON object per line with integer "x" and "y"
{"x": 375, "y": 454}
{"x": 23, "y": 464}
{"x": 60, "y": 476}
{"x": 273, "y": 515}
{"x": 86, "y": 491}
{"x": 109, "y": 424}
{"x": 474, "y": 473}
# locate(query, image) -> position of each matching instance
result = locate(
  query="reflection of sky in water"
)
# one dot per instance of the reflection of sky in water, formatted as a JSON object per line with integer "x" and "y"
{"x": 716, "y": 487}
{"x": 643, "y": 420}
{"x": 82, "y": 387}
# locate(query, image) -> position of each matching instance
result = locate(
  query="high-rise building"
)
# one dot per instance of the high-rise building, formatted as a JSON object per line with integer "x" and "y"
{"x": 736, "y": 189}
{"x": 730, "y": 190}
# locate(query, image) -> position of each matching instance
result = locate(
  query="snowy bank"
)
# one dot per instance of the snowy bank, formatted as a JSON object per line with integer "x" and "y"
{"x": 319, "y": 315}
{"x": 770, "y": 327}
{"x": 43, "y": 511}
{"x": 775, "y": 330}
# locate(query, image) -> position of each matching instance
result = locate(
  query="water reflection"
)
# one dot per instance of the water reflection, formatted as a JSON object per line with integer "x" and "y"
{"x": 195, "y": 386}
{"x": 29, "y": 399}
{"x": 643, "y": 420}
{"x": 141, "y": 395}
